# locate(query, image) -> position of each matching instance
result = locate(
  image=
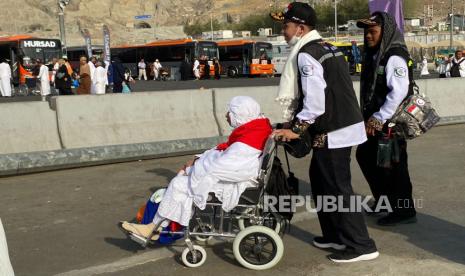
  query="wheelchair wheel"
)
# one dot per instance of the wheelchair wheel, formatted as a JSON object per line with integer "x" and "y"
{"x": 258, "y": 248}
{"x": 200, "y": 238}
{"x": 187, "y": 256}
{"x": 272, "y": 223}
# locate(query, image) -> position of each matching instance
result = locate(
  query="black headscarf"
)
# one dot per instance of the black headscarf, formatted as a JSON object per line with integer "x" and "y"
{"x": 391, "y": 38}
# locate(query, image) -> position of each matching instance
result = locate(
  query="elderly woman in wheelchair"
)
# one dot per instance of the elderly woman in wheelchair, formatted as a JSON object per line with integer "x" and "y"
{"x": 230, "y": 179}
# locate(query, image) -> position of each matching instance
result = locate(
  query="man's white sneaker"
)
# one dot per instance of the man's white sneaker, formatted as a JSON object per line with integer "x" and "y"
{"x": 351, "y": 256}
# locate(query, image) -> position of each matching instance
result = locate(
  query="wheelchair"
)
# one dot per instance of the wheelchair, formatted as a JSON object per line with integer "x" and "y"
{"x": 257, "y": 234}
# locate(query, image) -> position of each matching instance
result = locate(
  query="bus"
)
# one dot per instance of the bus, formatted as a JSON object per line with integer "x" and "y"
{"x": 74, "y": 53}
{"x": 281, "y": 51}
{"x": 246, "y": 58}
{"x": 353, "y": 59}
{"x": 172, "y": 54}
{"x": 23, "y": 50}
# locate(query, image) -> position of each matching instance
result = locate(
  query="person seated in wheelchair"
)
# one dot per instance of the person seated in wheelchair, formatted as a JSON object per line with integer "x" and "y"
{"x": 225, "y": 170}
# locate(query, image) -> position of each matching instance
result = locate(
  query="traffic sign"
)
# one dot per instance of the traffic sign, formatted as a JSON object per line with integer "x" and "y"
{"x": 142, "y": 17}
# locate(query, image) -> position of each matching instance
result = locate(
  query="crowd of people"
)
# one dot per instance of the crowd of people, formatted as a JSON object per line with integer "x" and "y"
{"x": 452, "y": 66}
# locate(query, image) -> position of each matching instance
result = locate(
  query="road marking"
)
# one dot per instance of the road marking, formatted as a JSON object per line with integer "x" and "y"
{"x": 123, "y": 264}
{"x": 152, "y": 256}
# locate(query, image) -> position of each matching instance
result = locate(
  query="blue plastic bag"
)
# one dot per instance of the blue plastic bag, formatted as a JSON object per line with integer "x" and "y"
{"x": 126, "y": 89}
{"x": 149, "y": 213}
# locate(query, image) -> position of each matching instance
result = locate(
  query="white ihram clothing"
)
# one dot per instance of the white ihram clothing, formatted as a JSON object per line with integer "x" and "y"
{"x": 101, "y": 80}
{"x": 226, "y": 173}
{"x": 92, "y": 77}
{"x": 44, "y": 80}
{"x": 56, "y": 66}
{"x": 5, "y": 79}
{"x": 196, "y": 69}
{"x": 424, "y": 68}
{"x": 156, "y": 70}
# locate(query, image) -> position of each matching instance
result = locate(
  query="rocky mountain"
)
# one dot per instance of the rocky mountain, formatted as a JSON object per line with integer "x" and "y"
{"x": 39, "y": 17}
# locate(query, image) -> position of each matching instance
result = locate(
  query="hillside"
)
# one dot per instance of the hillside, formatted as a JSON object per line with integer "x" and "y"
{"x": 39, "y": 17}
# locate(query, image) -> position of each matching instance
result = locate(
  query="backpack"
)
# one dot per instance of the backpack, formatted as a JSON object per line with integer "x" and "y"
{"x": 455, "y": 69}
{"x": 281, "y": 185}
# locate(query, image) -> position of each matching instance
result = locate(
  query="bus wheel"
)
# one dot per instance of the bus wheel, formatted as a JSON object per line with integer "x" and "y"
{"x": 232, "y": 72}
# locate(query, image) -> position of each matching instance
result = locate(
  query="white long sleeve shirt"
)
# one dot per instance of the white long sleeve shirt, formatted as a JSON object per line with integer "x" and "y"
{"x": 313, "y": 88}
{"x": 398, "y": 85}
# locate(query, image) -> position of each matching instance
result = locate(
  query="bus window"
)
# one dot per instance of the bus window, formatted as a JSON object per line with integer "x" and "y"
{"x": 229, "y": 53}
{"x": 177, "y": 53}
{"x": 263, "y": 52}
{"x": 208, "y": 50}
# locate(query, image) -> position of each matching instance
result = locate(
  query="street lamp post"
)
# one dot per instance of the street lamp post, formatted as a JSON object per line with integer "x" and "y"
{"x": 335, "y": 20}
{"x": 61, "y": 18}
{"x": 451, "y": 24}
{"x": 211, "y": 25}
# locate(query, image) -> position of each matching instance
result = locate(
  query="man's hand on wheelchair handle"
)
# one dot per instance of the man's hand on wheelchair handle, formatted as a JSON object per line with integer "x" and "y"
{"x": 285, "y": 135}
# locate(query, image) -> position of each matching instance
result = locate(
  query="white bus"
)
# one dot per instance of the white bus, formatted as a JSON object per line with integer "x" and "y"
{"x": 280, "y": 53}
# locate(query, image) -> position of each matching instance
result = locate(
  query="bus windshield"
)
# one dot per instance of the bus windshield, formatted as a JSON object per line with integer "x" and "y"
{"x": 44, "y": 53}
{"x": 263, "y": 51}
{"x": 209, "y": 50}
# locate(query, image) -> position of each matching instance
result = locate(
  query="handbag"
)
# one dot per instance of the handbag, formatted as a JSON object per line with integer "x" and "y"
{"x": 414, "y": 116}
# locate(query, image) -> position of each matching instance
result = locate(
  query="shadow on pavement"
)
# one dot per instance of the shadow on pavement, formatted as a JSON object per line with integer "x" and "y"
{"x": 437, "y": 236}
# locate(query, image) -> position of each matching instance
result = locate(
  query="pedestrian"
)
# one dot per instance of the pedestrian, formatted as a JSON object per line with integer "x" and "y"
{"x": 206, "y": 68}
{"x": 117, "y": 75}
{"x": 5, "y": 78}
{"x": 216, "y": 66}
{"x": 319, "y": 97}
{"x": 196, "y": 69}
{"x": 443, "y": 67}
{"x": 128, "y": 80}
{"x": 54, "y": 66}
{"x": 68, "y": 66}
{"x": 85, "y": 81}
{"x": 156, "y": 69}
{"x": 101, "y": 78}
{"x": 142, "y": 69}
{"x": 424, "y": 67}
{"x": 92, "y": 64}
{"x": 386, "y": 81}
{"x": 457, "y": 68}
{"x": 44, "y": 79}
{"x": 63, "y": 79}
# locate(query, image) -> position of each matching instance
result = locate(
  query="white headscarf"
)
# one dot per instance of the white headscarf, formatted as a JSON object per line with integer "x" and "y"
{"x": 243, "y": 109}
{"x": 288, "y": 89}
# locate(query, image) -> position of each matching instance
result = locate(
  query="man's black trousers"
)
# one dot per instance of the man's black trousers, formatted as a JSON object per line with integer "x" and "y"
{"x": 393, "y": 183}
{"x": 330, "y": 176}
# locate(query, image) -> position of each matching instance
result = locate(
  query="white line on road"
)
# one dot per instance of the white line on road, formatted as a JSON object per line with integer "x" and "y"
{"x": 152, "y": 256}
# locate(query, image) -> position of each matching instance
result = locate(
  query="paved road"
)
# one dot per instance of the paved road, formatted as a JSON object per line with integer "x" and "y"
{"x": 65, "y": 221}
{"x": 144, "y": 86}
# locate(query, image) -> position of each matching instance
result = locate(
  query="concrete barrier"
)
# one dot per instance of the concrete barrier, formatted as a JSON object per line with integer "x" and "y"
{"x": 118, "y": 119}
{"x": 21, "y": 163}
{"x": 88, "y": 130}
{"x": 28, "y": 127}
{"x": 5, "y": 265}
{"x": 447, "y": 97}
